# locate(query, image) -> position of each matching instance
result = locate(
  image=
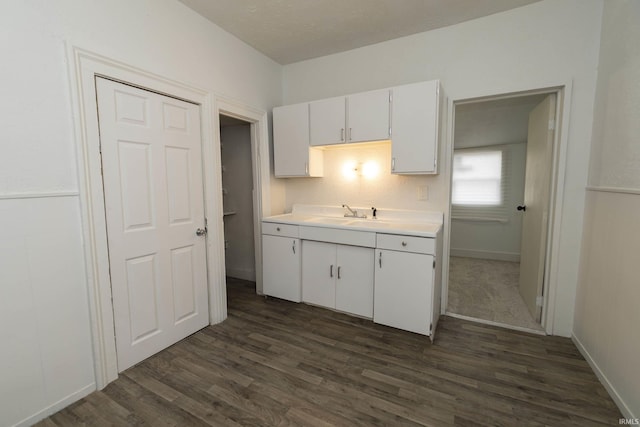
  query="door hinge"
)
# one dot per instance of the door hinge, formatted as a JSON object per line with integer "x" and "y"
{"x": 552, "y": 124}
{"x": 538, "y": 301}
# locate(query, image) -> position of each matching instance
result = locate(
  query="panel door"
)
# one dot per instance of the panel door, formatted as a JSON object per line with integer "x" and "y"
{"x": 319, "y": 272}
{"x": 281, "y": 267}
{"x": 368, "y": 118}
{"x": 536, "y": 199}
{"x": 327, "y": 121}
{"x": 153, "y": 190}
{"x": 403, "y": 290}
{"x": 354, "y": 280}
{"x": 291, "y": 140}
{"x": 414, "y": 128}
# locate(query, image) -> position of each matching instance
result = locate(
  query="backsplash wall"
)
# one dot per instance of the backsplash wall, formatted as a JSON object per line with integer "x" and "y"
{"x": 382, "y": 191}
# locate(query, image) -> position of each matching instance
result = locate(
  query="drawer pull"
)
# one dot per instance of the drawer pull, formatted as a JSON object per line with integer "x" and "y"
{"x": 278, "y": 229}
{"x": 404, "y": 243}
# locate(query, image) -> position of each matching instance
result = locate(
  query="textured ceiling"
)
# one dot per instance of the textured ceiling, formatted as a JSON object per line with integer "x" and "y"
{"x": 294, "y": 30}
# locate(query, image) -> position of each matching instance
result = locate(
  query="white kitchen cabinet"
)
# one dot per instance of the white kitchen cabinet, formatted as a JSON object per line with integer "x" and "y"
{"x": 281, "y": 262}
{"x": 356, "y": 118}
{"x": 338, "y": 277}
{"x": 415, "y": 128}
{"x": 368, "y": 116}
{"x": 292, "y": 154}
{"x": 327, "y": 121}
{"x": 406, "y": 283}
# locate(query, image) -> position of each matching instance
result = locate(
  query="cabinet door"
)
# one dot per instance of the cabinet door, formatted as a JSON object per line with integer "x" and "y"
{"x": 368, "y": 118}
{"x": 319, "y": 272}
{"x": 291, "y": 142}
{"x": 354, "y": 280}
{"x": 403, "y": 290}
{"x": 414, "y": 130}
{"x": 327, "y": 121}
{"x": 281, "y": 267}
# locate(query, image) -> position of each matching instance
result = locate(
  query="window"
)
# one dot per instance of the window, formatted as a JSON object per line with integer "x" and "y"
{"x": 477, "y": 178}
{"x": 480, "y": 183}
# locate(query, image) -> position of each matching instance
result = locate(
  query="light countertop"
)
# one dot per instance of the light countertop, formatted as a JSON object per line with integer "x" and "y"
{"x": 411, "y": 223}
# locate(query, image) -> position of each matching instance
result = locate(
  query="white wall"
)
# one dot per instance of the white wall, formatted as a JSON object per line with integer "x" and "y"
{"x": 607, "y": 315}
{"x": 237, "y": 180}
{"x": 542, "y": 44}
{"x": 46, "y": 357}
{"x": 383, "y": 191}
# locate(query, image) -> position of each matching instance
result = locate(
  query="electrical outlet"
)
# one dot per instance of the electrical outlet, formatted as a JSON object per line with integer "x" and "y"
{"x": 423, "y": 193}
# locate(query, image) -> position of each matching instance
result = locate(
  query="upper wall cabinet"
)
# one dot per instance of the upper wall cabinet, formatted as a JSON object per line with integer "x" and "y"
{"x": 291, "y": 152}
{"x": 415, "y": 115}
{"x": 327, "y": 121}
{"x": 356, "y": 118}
{"x": 368, "y": 116}
{"x": 409, "y": 115}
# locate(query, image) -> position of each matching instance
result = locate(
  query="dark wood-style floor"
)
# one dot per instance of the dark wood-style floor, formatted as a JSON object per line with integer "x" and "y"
{"x": 275, "y": 363}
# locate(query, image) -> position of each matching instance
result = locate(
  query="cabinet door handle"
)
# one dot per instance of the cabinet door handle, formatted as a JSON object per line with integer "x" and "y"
{"x": 341, "y": 134}
{"x": 306, "y": 168}
{"x": 393, "y": 164}
{"x": 293, "y": 247}
{"x": 350, "y": 138}
{"x": 339, "y": 271}
{"x": 380, "y": 260}
{"x": 331, "y": 270}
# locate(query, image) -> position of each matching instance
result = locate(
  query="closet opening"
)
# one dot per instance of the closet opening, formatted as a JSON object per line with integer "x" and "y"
{"x": 238, "y": 192}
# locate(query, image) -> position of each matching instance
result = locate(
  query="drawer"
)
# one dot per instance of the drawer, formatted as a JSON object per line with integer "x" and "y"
{"x": 278, "y": 229}
{"x": 396, "y": 242}
{"x": 340, "y": 236}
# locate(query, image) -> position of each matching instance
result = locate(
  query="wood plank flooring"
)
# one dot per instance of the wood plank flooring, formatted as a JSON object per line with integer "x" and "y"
{"x": 276, "y": 363}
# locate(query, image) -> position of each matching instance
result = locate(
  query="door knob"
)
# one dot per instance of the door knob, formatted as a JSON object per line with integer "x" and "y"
{"x": 201, "y": 231}
{"x": 522, "y": 208}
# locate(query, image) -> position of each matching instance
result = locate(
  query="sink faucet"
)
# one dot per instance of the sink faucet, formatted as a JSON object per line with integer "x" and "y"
{"x": 353, "y": 213}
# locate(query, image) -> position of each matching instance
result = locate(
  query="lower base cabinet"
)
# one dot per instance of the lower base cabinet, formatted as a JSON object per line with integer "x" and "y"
{"x": 281, "y": 267}
{"x": 338, "y": 277}
{"x": 404, "y": 290}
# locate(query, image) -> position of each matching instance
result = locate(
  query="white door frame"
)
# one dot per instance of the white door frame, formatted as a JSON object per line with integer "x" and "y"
{"x": 83, "y": 67}
{"x": 561, "y": 137}
{"x": 261, "y": 196}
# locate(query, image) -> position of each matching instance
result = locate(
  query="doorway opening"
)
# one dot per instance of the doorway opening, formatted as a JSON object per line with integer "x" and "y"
{"x": 237, "y": 202}
{"x": 502, "y": 168}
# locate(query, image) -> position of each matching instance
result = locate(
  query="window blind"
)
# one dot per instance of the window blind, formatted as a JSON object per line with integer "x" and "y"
{"x": 481, "y": 183}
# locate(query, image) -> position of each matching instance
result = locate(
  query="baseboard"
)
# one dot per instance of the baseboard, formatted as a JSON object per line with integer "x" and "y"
{"x": 60, "y": 404}
{"x": 241, "y": 273}
{"x": 626, "y": 411}
{"x": 498, "y": 256}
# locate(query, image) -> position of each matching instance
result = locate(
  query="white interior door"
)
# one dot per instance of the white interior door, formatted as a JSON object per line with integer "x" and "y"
{"x": 152, "y": 175}
{"x": 536, "y": 201}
